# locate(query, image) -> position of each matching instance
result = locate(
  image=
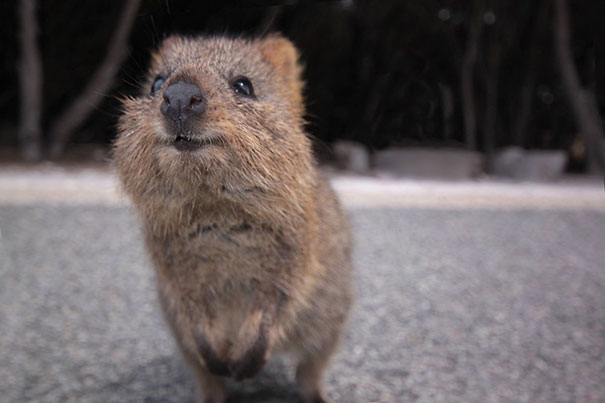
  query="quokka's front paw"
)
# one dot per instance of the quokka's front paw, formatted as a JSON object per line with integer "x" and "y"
{"x": 318, "y": 399}
{"x": 252, "y": 360}
{"x": 215, "y": 365}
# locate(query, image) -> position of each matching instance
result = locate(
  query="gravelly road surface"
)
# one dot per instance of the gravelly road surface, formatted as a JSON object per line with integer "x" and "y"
{"x": 461, "y": 305}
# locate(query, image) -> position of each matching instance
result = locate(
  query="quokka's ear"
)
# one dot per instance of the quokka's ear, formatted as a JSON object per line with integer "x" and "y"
{"x": 170, "y": 42}
{"x": 283, "y": 57}
{"x": 282, "y": 54}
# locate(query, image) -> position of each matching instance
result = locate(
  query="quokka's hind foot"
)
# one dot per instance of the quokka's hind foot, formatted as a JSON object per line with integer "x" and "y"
{"x": 212, "y": 387}
{"x": 309, "y": 374}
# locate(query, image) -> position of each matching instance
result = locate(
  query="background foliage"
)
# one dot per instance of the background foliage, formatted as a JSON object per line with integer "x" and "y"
{"x": 382, "y": 73}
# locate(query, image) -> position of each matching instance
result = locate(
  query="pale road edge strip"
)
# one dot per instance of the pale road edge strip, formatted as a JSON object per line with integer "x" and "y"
{"x": 81, "y": 193}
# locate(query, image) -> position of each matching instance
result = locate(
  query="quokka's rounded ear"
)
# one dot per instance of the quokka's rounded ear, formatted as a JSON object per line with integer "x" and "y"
{"x": 283, "y": 57}
{"x": 282, "y": 54}
{"x": 163, "y": 47}
{"x": 169, "y": 41}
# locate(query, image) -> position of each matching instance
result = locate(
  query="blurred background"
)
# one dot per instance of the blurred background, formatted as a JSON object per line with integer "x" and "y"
{"x": 479, "y": 75}
{"x": 464, "y": 138}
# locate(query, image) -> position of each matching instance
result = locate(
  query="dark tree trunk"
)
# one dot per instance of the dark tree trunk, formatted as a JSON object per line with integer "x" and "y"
{"x": 466, "y": 75}
{"x": 447, "y": 109}
{"x": 581, "y": 100}
{"x": 526, "y": 95}
{"x": 30, "y": 82}
{"x": 491, "y": 101}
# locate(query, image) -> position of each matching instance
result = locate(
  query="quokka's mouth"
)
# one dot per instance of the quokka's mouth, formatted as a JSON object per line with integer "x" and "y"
{"x": 186, "y": 143}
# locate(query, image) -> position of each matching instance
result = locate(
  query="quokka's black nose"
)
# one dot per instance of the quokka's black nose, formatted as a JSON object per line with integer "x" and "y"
{"x": 182, "y": 100}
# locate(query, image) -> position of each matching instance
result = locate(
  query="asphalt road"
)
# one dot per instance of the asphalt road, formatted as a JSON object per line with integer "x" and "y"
{"x": 459, "y": 305}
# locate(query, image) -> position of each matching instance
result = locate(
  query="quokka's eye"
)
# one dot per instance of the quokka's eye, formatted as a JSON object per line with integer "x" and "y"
{"x": 157, "y": 84}
{"x": 242, "y": 86}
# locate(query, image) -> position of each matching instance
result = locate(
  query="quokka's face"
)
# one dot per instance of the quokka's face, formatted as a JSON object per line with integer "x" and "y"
{"x": 219, "y": 106}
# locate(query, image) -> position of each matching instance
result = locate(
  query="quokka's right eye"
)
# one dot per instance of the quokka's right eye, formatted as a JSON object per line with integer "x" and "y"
{"x": 157, "y": 84}
{"x": 242, "y": 86}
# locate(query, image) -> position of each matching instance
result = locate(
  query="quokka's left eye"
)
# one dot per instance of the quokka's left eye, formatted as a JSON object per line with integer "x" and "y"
{"x": 157, "y": 84}
{"x": 242, "y": 86}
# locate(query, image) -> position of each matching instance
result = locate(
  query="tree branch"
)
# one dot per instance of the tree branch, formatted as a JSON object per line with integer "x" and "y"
{"x": 99, "y": 84}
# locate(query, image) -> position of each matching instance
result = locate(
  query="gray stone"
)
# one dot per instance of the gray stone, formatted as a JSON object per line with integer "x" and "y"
{"x": 516, "y": 163}
{"x": 429, "y": 163}
{"x": 507, "y": 162}
{"x": 351, "y": 156}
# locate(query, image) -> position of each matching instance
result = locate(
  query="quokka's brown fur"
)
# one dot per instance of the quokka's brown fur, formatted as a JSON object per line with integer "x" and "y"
{"x": 250, "y": 246}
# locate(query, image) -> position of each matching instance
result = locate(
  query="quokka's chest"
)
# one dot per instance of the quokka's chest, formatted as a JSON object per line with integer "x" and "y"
{"x": 236, "y": 253}
{"x": 223, "y": 270}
